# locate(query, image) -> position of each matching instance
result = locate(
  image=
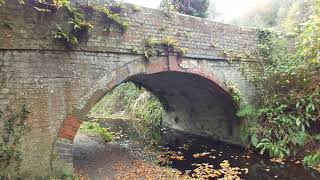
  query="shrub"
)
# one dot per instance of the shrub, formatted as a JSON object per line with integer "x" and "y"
{"x": 288, "y": 93}
{"x": 95, "y": 129}
{"x": 312, "y": 160}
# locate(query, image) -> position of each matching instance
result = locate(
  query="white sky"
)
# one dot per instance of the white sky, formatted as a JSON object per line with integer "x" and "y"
{"x": 228, "y": 9}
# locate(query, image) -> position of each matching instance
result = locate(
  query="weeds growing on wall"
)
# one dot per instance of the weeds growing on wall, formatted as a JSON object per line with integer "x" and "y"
{"x": 10, "y": 144}
{"x": 286, "y": 117}
{"x": 111, "y": 14}
{"x": 154, "y": 47}
{"x": 78, "y": 27}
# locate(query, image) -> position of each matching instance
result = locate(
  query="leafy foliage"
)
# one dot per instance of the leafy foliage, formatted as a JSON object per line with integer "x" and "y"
{"x": 10, "y": 144}
{"x": 288, "y": 92}
{"x": 94, "y": 128}
{"x": 236, "y": 94}
{"x": 309, "y": 43}
{"x": 66, "y": 38}
{"x": 79, "y": 29}
{"x": 247, "y": 111}
{"x": 312, "y": 160}
{"x": 112, "y": 16}
{"x": 275, "y": 149}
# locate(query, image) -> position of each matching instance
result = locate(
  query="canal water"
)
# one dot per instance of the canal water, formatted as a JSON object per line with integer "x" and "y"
{"x": 202, "y": 157}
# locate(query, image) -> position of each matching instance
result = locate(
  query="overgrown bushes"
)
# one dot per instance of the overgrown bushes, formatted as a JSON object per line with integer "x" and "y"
{"x": 286, "y": 116}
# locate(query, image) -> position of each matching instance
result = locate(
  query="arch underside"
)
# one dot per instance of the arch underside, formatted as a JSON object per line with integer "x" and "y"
{"x": 194, "y": 104}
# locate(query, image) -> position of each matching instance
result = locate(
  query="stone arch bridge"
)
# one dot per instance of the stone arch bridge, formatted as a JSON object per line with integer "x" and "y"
{"x": 60, "y": 86}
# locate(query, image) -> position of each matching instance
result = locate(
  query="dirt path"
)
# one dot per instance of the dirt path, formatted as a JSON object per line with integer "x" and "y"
{"x": 100, "y": 161}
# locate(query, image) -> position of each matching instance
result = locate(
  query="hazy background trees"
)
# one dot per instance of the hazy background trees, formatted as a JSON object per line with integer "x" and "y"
{"x": 191, "y": 7}
{"x": 282, "y": 15}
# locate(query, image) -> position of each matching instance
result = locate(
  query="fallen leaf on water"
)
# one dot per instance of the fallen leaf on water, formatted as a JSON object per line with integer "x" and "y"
{"x": 197, "y": 155}
{"x": 212, "y": 157}
{"x": 277, "y": 160}
{"x": 246, "y": 170}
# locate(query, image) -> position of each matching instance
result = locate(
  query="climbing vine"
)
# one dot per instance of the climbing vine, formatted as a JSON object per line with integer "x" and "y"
{"x": 10, "y": 144}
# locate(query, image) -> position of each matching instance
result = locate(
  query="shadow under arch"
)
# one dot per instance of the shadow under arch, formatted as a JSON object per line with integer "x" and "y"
{"x": 193, "y": 98}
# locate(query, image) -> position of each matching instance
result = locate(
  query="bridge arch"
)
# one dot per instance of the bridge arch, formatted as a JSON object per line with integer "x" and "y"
{"x": 194, "y": 100}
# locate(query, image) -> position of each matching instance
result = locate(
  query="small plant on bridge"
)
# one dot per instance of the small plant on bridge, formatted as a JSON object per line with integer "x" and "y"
{"x": 154, "y": 47}
{"x": 111, "y": 17}
{"x": 10, "y": 144}
{"x": 66, "y": 38}
{"x": 79, "y": 29}
{"x": 235, "y": 92}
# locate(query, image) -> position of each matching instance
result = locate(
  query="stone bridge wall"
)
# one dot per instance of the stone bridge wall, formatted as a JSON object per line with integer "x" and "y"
{"x": 55, "y": 84}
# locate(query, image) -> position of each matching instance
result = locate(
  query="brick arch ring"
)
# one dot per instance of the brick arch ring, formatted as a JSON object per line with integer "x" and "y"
{"x": 62, "y": 147}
